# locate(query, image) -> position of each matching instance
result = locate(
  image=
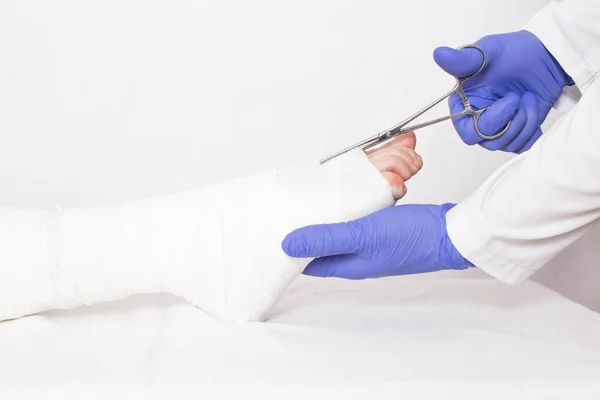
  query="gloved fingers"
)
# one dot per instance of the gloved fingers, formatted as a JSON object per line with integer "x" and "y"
{"x": 397, "y": 184}
{"x": 347, "y": 266}
{"x": 459, "y": 63}
{"x": 491, "y": 120}
{"x": 529, "y": 107}
{"x": 531, "y": 141}
{"x": 320, "y": 241}
{"x": 497, "y": 116}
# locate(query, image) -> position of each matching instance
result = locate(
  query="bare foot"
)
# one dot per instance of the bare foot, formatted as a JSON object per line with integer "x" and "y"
{"x": 397, "y": 161}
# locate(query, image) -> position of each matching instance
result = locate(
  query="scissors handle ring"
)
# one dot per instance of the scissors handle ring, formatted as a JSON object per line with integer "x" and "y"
{"x": 476, "y": 114}
{"x": 483, "y": 63}
{"x": 468, "y": 108}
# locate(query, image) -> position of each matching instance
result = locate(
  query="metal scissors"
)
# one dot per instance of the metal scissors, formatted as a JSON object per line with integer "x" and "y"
{"x": 401, "y": 128}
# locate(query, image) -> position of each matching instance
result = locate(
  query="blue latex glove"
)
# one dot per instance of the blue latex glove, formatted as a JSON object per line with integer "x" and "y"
{"x": 401, "y": 240}
{"x": 521, "y": 81}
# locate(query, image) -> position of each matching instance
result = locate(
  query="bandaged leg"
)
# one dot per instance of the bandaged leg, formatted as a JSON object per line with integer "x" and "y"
{"x": 219, "y": 246}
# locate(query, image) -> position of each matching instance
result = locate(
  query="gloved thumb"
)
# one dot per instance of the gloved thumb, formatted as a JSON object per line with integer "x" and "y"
{"x": 458, "y": 63}
{"x": 320, "y": 241}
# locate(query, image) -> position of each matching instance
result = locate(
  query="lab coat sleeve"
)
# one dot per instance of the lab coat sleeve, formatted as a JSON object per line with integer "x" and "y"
{"x": 570, "y": 30}
{"x": 540, "y": 202}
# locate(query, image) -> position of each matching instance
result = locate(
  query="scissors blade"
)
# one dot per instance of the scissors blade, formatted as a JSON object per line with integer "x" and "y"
{"x": 401, "y": 129}
{"x": 372, "y": 141}
{"x": 405, "y": 129}
{"x": 384, "y": 136}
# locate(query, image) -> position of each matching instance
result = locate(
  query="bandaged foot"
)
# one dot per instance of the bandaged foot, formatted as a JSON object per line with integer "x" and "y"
{"x": 219, "y": 246}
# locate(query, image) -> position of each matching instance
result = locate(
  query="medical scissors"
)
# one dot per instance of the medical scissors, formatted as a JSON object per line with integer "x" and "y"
{"x": 401, "y": 128}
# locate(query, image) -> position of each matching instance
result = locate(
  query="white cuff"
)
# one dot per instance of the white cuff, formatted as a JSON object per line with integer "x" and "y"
{"x": 474, "y": 239}
{"x": 545, "y": 27}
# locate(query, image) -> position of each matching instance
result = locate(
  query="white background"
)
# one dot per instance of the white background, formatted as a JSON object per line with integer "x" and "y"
{"x": 106, "y": 101}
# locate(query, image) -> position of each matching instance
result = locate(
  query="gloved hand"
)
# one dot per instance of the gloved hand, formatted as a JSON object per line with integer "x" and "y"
{"x": 521, "y": 80}
{"x": 401, "y": 240}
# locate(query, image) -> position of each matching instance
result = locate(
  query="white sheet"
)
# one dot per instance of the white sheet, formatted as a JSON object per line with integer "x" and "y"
{"x": 421, "y": 335}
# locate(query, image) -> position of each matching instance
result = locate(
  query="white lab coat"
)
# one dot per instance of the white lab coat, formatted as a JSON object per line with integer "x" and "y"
{"x": 540, "y": 202}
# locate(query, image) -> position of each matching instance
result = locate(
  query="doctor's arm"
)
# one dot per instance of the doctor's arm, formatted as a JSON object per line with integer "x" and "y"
{"x": 538, "y": 204}
{"x": 527, "y": 212}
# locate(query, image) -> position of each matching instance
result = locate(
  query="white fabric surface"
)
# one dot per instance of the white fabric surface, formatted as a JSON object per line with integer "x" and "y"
{"x": 418, "y": 335}
{"x": 539, "y": 203}
{"x": 218, "y": 246}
